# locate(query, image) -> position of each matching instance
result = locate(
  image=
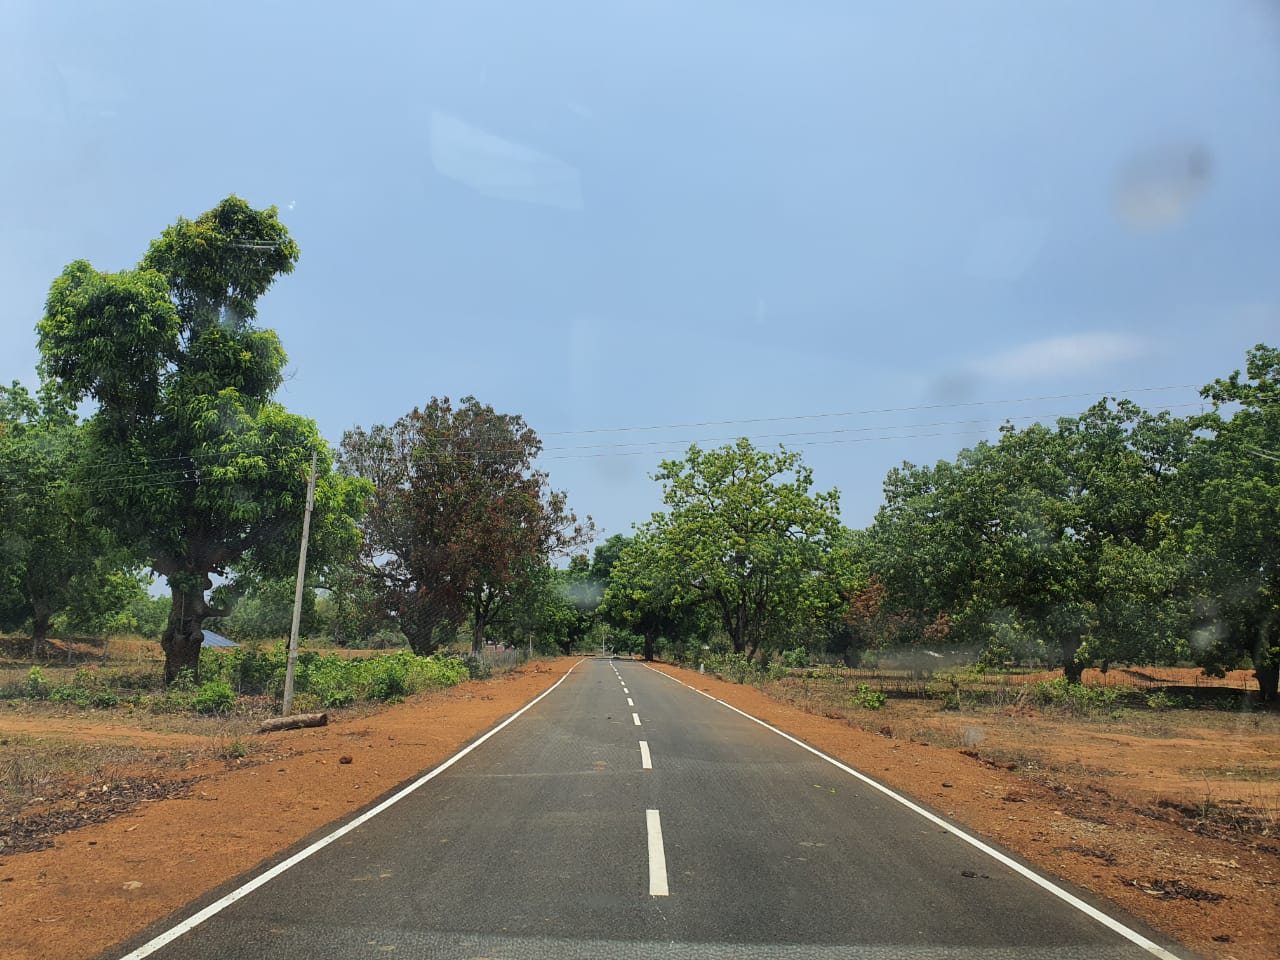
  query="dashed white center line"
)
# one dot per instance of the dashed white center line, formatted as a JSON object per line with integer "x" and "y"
{"x": 646, "y": 761}
{"x": 625, "y": 690}
{"x": 657, "y": 856}
{"x": 629, "y": 702}
{"x": 636, "y": 718}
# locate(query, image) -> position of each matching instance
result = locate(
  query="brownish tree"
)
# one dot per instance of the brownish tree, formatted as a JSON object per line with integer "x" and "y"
{"x": 460, "y": 518}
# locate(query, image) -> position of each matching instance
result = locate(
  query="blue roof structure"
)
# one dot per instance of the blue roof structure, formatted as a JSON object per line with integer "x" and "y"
{"x": 212, "y": 639}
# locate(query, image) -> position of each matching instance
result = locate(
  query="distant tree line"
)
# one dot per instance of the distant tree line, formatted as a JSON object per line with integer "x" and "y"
{"x": 1117, "y": 536}
{"x": 189, "y": 470}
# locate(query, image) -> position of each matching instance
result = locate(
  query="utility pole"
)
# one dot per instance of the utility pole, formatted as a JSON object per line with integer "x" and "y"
{"x": 297, "y": 592}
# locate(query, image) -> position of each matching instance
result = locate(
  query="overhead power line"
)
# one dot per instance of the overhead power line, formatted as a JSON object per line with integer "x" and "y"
{"x": 873, "y": 410}
{"x": 186, "y": 468}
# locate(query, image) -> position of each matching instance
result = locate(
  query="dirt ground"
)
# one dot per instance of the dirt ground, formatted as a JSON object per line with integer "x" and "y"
{"x": 1152, "y": 811}
{"x": 102, "y": 883}
{"x": 1174, "y": 815}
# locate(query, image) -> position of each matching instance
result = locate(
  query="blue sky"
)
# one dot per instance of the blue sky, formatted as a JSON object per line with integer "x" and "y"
{"x": 605, "y": 215}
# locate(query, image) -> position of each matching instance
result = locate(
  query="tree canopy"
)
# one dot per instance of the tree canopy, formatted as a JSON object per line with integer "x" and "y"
{"x": 460, "y": 519}
{"x": 742, "y": 536}
{"x": 51, "y": 553}
{"x": 194, "y": 466}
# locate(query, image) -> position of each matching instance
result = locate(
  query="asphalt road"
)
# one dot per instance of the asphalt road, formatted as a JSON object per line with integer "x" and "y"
{"x": 553, "y": 840}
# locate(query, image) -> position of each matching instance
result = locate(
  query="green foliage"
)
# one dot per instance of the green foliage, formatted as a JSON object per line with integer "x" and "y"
{"x": 108, "y": 599}
{"x": 325, "y": 680}
{"x": 1231, "y": 489}
{"x": 88, "y": 688}
{"x": 743, "y": 544}
{"x": 183, "y": 381}
{"x": 334, "y": 680}
{"x": 214, "y": 696}
{"x": 735, "y": 667}
{"x": 35, "y": 686}
{"x": 1163, "y": 700}
{"x": 867, "y": 698}
{"x": 53, "y": 554}
{"x": 1066, "y": 529}
{"x": 1076, "y": 698}
{"x": 797, "y": 658}
{"x": 265, "y": 612}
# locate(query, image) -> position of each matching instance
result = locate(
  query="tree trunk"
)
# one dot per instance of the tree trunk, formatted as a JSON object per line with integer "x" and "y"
{"x": 1268, "y": 677}
{"x": 1265, "y": 670}
{"x": 40, "y": 617}
{"x": 736, "y": 626}
{"x": 477, "y": 631}
{"x": 294, "y": 722}
{"x": 420, "y": 631}
{"x": 184, "y": 633}
{"x": 1072, "y": 668}
{"x": 649, "y": 640}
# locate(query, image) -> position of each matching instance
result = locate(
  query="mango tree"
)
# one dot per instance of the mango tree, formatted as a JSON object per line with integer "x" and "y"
{"x": 194, "y": 466}
{"x": 49, "y": 549}
{"x": 1232, "y": 492}
{"x": 742, "y": 536}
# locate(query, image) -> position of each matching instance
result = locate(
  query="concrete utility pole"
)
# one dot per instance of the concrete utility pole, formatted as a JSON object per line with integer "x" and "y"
{"x": 297, "y": 593}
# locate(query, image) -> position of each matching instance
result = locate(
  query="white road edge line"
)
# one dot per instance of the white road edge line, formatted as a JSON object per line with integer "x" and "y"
{"x": 1044, "y": 882}
{"x": 173, "y": 933}
{"x": 636, "y": 718}
{"x": 646, "y": 761}
{"x": 657, "y": 856}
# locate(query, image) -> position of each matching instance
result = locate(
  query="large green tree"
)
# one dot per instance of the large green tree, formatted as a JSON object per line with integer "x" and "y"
{"x": 1232, "y": 497}
{"x": 50, "y": 551}
{"x": 194, "y": 465}
{"x": 641, "y": 595}
{"x": 742, "y": 536}
{"x": 460, "y": 519}
{"x": 1064, "y": 530}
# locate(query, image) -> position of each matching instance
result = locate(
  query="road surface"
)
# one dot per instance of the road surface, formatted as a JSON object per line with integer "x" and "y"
{"x": 628, "y": 815}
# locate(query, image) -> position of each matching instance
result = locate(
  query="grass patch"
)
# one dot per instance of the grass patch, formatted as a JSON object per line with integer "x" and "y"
{"x": 243, "y": 680}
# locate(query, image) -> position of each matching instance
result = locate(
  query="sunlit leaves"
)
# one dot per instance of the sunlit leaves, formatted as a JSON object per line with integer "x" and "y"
{"x": 193, "y": 464}
{"x": 742, "y": 536}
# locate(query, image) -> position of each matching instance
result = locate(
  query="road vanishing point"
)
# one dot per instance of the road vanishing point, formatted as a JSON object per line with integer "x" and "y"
{"x": 625, "y": 814}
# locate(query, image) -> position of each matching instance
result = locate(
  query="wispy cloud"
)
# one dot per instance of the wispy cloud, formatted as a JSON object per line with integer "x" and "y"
{"x": 1056, "y": 356}
{"x": 503, "y": 168}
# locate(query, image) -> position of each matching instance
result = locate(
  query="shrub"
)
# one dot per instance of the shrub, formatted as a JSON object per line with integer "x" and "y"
{"x": 35, "y": 687}
{"x": 214, "y": 696}
{"x": 478, "y": 668}
{"x": 330, "y": 680}
{"x": 798, "y": 658}
{"x": 1075, "y": 697}
{"x": 736, "y": 667}
{"x": 869, "y": 699}
{"x": 1163, "y": 700}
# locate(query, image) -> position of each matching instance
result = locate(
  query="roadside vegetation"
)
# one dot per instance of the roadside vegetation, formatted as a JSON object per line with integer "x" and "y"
{"x": 154, "y": 456}
{"x": 248, "y": 680}
{"x": 152, "y": 485}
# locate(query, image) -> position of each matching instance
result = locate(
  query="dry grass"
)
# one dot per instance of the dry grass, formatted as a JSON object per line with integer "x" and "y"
{"x": 45, "y": 768}
{"x": 1213, "y": 771}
